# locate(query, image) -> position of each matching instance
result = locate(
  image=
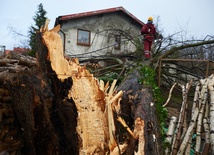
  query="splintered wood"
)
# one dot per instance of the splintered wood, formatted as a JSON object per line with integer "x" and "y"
{"x": 94, "y": 103}
{"x": 139, "y": 132}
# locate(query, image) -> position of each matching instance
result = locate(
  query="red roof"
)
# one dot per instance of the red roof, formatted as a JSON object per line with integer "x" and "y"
{"x": 20, "y": 50}
{"x": 7, "y": 51}
{"x": 97, "y": 12}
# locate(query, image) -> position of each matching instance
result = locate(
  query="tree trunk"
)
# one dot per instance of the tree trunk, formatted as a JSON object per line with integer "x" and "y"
{"x": 137, "y": 101}
{"x": 204, "y": 96}
{"x": 211, "y": 91}
{"x": 181, "y": 119}
{"x": 92, "y": 102}
{"x": 170, "y": 132}
{"x": 61, "y": 109}
{"x": 188, "y": 133}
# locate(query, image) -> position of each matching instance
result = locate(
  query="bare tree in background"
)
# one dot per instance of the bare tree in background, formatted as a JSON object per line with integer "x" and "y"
{"x": 23, "y": 40}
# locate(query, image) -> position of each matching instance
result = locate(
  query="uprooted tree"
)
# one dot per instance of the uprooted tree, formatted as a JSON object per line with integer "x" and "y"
{"x": 62, "y": 108}
{"x": 56, "y": 106}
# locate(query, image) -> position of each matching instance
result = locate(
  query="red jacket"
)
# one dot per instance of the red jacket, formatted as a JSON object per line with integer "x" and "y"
{"x": 149, "y": 31}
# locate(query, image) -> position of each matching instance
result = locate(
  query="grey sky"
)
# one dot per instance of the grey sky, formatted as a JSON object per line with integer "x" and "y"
{"x": 194, "y": 17}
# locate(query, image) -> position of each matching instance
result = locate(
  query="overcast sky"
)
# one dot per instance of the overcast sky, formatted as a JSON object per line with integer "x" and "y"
{"x": 194, "y": 17}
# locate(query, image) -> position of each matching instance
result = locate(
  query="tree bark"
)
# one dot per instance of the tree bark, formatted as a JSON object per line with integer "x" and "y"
{"x": 211, "y": 92}
{"x": 179, "y": 128}
{"x": 140, "y": 105}
{"x": 188, "y": 133}
{"x": 204, "y": 95}
{"x": 206, "y": 130}
{"x": 170, "y": 132}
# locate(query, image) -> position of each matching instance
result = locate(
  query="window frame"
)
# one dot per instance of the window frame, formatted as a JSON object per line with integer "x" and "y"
{"x": 87, "y": 37}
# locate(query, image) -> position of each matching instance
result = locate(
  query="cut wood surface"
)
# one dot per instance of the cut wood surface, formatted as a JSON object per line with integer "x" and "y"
{"x": 95, "y": 122}
{"x": 139, "y": 132}
{"x": 14, "y": 63}
{"x": 96, "y": 105}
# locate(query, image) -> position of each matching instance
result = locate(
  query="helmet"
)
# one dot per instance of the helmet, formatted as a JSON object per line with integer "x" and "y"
{"x": 150, "y": 18}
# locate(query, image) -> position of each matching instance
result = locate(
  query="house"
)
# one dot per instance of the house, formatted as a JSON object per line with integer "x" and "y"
{"x": 2, "y": 50}
{"x": 18, "y": 50}
{"x": 100, "y": 32}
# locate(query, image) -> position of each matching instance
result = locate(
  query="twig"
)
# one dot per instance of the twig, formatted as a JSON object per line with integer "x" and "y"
{"x": 119, "y": 119}
{"x": 170, "y": 94}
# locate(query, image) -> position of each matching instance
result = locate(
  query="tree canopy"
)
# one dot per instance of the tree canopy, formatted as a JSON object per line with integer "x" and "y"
{"x": 39, "y": 19}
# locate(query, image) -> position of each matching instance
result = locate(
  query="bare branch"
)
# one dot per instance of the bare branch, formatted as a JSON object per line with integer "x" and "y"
{"x": 174, "y": 49}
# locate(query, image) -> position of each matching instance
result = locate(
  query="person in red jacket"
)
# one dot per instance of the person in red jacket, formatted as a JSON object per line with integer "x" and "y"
{"x": 149, "y": 32}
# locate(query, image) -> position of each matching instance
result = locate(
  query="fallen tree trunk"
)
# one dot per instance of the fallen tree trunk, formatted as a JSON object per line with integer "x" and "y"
{"x": 92, "y": 102}
{"x": 95, "y": 123}
{"x": 61, "y": 108}
{"x": 137, "y": 101}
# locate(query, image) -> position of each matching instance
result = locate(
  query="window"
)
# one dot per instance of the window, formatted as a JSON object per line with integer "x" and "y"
{"x": 117, "y": 42}
{"x": 83, "y": 37}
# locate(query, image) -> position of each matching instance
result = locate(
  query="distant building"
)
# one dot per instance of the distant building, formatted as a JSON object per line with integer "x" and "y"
{"x": 99, "y": 32}
{"x": 18, "y": 50}
{"x": 2, "y": 50}
{"x": 7, "y": 51}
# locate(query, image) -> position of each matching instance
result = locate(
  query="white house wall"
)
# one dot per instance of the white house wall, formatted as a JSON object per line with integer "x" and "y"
{"x": 101, "y": 27}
